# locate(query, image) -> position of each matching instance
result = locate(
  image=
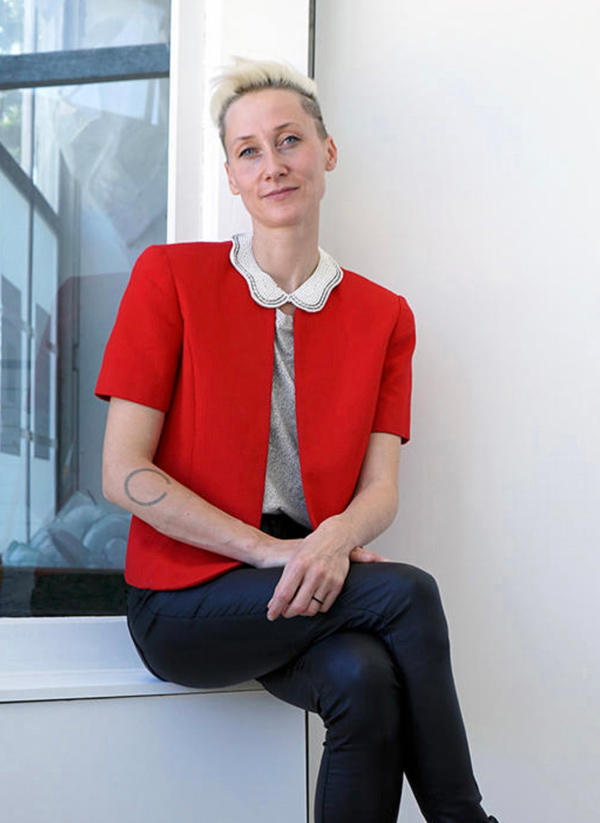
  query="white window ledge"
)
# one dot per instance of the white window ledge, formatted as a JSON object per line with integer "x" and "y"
{"x": 76, "y": 659}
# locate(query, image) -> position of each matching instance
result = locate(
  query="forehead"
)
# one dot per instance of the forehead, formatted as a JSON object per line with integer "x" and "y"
{"x": 263, "y": 110}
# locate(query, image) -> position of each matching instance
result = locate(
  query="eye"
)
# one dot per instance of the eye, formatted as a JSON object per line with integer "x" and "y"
{"x": 247, "y": 152}
{"x": 290, "y": 139}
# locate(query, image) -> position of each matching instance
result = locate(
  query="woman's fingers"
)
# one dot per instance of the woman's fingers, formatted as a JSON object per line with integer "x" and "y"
{"x": 317, "y": 569}
{"x": 300, "y": 583}
{"x": 307, "y": 604}
{"x": 302, "y": 601}
{"x": 325, "y": 602}
{"x": 304, "y": 578}
{"x": 314, "y": 607}
{"x": 360, "y": 555}
{"x": 285, "y": 591}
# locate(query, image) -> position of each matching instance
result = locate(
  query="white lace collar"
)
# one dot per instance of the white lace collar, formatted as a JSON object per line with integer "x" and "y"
{"x": 310, "y": 296}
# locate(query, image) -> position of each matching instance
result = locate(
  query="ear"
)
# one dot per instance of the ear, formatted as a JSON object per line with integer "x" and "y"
{"x": 331, "y": 154}
{"x": 232, "y": 186}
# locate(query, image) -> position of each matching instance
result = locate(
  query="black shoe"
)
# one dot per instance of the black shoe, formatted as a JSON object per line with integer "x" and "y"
{"x": 492, "y": 820}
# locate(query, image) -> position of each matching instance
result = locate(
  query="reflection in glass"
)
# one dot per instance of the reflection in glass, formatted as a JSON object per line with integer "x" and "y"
{"x": 112, "y": 138}
{"x": 10, "y": 373}
{"x": 67, "y": 245}
{"x": 42, "y": 384}
{"x": 11, "y": 123}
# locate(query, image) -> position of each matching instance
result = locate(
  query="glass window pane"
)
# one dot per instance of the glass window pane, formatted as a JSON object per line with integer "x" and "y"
{"x": 53, "y": 25}
{"x": 12, "y": 26}
{"x": 100, "y": 161}
{"x": 14, "y": 256}
{"x": 123, "y": 22}
{"x": 10, "y": 379}
{"x": 11, "y": 123}
{"x": 14, "y": 233}
{"x": 43, "y": 376}
{"x": 46, "y": 153}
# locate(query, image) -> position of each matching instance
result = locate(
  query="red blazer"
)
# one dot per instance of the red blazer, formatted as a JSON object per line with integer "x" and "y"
{"x": 190, "y": 341}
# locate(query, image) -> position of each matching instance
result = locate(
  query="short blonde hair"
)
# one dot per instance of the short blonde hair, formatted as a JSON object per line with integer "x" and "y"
{"x": 245, "y": 76}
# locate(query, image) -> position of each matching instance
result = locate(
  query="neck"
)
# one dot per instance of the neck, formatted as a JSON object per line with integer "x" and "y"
{"x": 289, "y": 255}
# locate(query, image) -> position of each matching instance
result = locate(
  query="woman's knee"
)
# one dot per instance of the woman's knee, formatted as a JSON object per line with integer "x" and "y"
{"x": 396, "y": 583}
{"x": 428, "y": 612}
{"x": 413, "y": 581}
{"x": 359, "y": 686}
{"x": 413, "y": 602}
{"x": 410, "y": 585}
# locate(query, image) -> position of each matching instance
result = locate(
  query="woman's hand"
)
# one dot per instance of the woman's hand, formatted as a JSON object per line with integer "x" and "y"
{"x": 316, "y": 570}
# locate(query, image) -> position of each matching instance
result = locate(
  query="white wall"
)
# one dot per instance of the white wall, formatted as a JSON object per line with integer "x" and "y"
{"x": 468, "y": 180}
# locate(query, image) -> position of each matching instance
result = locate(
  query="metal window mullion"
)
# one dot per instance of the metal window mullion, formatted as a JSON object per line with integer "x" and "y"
{"x": 78, "y": 66}
{"x": 312, "y": 15}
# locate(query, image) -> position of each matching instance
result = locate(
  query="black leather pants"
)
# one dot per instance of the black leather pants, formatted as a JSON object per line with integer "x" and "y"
{"x": 376, "y": 668}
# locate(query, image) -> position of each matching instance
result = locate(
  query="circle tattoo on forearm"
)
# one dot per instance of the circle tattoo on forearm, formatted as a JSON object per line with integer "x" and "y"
{"x": 133, "y": 498}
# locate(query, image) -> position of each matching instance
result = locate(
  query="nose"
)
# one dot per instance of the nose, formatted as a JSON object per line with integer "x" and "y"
{"x": 273, "y": 164}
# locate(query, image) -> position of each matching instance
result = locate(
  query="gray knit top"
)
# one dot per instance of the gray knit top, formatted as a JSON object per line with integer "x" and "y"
{"x": 283, "y": 481}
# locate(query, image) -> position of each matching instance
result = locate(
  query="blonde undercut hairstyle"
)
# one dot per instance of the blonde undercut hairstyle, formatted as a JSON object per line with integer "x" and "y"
{"x": 245, "y": 76}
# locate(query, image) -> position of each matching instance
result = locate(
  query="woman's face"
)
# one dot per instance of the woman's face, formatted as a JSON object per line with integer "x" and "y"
{"x": 276, "y": 160}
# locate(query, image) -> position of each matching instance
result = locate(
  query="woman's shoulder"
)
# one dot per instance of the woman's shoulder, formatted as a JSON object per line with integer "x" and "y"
{"x": 359, "y": 287}
{"x": 182, "y": 254}
{"x": 182, "y": 265}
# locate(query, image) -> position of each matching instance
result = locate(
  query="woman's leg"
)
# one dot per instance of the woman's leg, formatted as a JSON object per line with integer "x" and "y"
{"x": 350, "y": 681}
{"x": 217, "y": 633}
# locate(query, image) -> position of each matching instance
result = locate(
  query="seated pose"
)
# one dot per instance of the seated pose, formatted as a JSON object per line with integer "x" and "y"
{"x": 259, "y": 396}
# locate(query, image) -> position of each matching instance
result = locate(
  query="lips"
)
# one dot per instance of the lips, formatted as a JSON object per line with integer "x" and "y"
{"x": 277, "y": 193}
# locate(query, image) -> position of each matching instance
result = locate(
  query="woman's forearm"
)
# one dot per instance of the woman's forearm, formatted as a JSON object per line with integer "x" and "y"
{"x": 375, "y": 501}
{"x": 132, "y": 480}
{"x": 174, "y": 510}
{"x": 369, "y": 513}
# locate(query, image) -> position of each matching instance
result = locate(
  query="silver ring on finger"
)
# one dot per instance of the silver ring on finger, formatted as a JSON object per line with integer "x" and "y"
{"x": 317, "y": 599}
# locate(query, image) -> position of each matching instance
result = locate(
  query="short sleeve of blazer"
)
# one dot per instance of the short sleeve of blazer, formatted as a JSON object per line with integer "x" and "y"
{"x": 393, "y": 405}
{"x": 142, "y": 355}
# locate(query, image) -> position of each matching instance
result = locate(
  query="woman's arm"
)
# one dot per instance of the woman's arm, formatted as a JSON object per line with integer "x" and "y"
{"x": 131, "y": 480}
{"x": 321, "y": 563}
{"x": 375, "y": 502}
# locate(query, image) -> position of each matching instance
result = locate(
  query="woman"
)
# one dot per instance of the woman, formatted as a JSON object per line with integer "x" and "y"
{"x": 259, "y": 399}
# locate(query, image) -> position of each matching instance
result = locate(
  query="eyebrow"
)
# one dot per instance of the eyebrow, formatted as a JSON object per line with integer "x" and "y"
{"x": 277, "y": 128}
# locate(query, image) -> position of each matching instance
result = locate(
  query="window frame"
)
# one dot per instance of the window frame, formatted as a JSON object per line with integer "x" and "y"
{"x": 75, "y": 67}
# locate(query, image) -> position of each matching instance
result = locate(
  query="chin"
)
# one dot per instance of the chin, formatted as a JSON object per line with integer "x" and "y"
{"x": 291, "y": 215}
{"x": 282, "y": 220}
